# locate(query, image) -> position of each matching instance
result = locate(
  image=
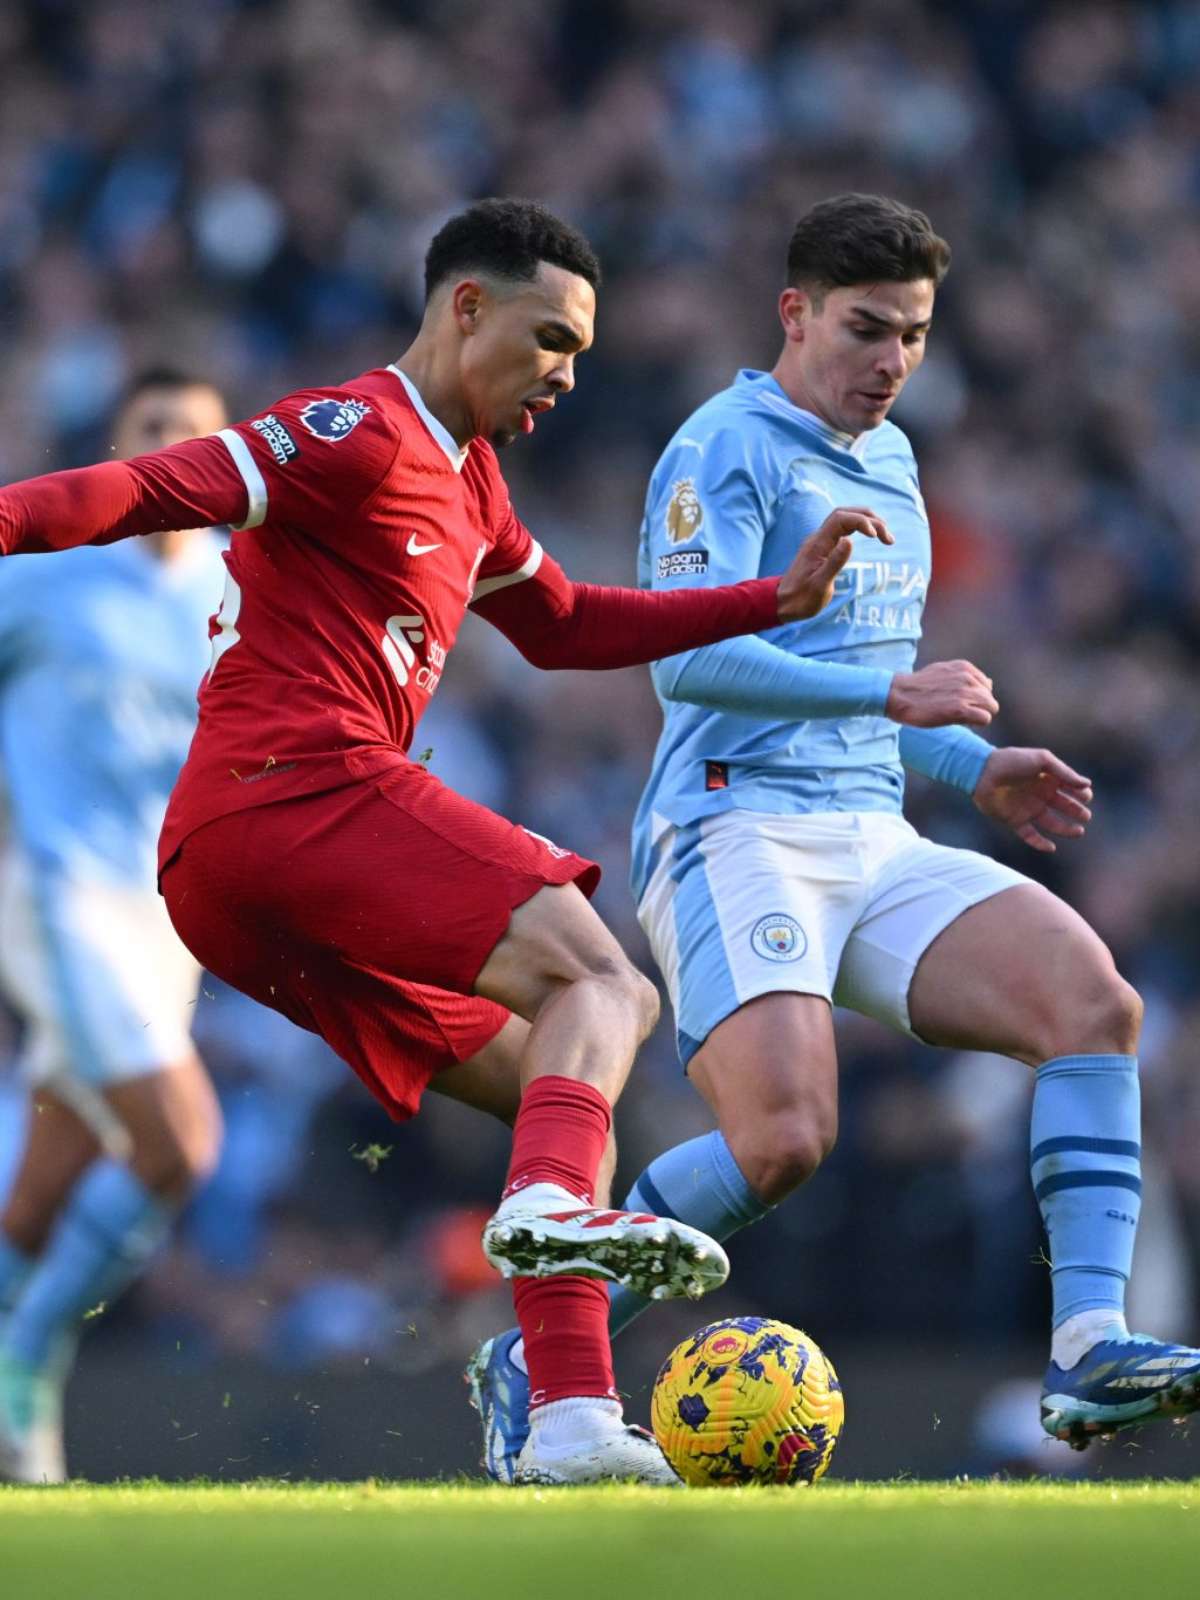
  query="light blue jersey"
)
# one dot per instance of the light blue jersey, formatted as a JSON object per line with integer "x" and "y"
{"x": 101, "y": 653}
{"x": 744, "y": 481}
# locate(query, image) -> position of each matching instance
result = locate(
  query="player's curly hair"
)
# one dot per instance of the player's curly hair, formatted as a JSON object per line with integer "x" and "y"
{"x": 508, "y": 238}
{"x": 864, "y": 238}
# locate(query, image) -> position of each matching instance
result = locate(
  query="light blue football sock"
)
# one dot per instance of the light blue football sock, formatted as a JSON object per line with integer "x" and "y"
{"x": 698, "y": 1183}
{"x": 110, "y": 1228}
{"x": 1085, "y": 1162}
{"x": 15, "y": 1267}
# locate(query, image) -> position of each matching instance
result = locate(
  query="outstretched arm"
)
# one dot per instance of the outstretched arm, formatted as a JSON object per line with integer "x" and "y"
{"x": 557, "y": 623}
{"x": 190, "y": 485}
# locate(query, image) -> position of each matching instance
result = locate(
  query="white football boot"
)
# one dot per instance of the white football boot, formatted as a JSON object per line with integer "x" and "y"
{"x": 596, "y": 1446}
{"x": 543, "y": 1231}
{"x": 31, "y": 1429}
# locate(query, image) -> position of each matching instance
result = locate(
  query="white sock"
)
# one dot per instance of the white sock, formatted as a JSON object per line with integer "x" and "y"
{"x": 563, "y": 1424}
{"x": 1075, "y": 1337}
{"x": 540, "y": 1197}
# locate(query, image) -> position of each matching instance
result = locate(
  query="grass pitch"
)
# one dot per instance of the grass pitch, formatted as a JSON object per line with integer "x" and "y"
{"x": 970, "y": 1541}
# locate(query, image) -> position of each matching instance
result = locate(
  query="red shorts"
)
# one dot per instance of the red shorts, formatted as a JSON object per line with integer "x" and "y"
{"x": 365, "y": 915}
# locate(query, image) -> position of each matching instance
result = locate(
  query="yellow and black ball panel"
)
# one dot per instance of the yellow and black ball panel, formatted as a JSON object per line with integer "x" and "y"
{"x": 748, "y": 1400}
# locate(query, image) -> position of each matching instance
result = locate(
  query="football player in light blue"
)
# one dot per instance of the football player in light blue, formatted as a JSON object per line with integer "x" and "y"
{"x": 774, "y": 871}
{"x": 101, "y": 652}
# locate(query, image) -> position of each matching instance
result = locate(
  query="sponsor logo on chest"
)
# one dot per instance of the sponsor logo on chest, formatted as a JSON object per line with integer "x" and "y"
{"x": 401, "y": 637}
{"x": 888, "y": 595}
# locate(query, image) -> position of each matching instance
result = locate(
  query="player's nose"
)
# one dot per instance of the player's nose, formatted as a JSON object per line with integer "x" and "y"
{"x": 891, "y": 361}
{"x": 562, "y": 375}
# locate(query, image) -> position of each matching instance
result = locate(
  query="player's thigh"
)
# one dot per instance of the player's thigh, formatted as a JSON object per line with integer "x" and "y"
{"x": 103, "y": 984}
{"x": 395, "y": 1034}
{"x": 58, "y": 1148}
{"x": 396, "y": 873}
{"x": 173, "y": 1119}
{"x": 490, "y": 1080}
{"x": 553, "y": 939}
{"x": 915, "y": 890}
{"x": 1022, "y": 973}
{"x": 741, "y": 905}
{"x": 769, "y": 1073}
{"x": 746, "y": 915}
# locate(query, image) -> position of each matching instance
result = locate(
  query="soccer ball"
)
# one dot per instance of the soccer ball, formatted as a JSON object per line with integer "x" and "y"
{"x": 747, "y": 1400}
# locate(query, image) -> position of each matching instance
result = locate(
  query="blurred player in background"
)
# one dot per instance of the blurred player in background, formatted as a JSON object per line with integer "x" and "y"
{"x": 776, "y": 875}
{"x": 310, "y": 863}
{"x": 100, "y": 655}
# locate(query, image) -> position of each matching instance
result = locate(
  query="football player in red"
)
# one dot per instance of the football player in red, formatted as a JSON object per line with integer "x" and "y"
{"x": 309, "y": 862}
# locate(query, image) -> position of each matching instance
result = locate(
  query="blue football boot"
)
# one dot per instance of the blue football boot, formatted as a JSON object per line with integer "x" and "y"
{"x": 1132, "y": 1378}
{"x": 500, "y": 1394}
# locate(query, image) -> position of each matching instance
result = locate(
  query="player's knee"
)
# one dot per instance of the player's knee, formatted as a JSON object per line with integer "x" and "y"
{"x": 1102, "y": 1014}
{"x": 634, "y": 991}
{"x": 176, "y": 1162}
{"x": 648, "y": 1003}
{"x": 786, "y": 1152}
{"x": 203, "y": 1151}
{"x": 1117, "y": 1016}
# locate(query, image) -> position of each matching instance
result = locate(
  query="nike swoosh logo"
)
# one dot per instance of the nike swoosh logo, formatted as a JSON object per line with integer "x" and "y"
{"x": 415, "y": 549}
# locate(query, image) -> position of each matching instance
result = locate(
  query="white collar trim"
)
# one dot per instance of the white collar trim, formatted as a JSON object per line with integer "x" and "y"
{"x": 855, "y": 443}
{"x": 441, "y": 434}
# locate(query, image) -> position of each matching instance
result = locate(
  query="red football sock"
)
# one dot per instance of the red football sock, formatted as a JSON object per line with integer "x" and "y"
{"x": 559, "y": 1137}
{"x": 564, "y": 1322}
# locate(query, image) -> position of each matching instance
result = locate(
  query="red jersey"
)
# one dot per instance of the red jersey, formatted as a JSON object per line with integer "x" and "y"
{"x": 367, "y": 533}
{"x": 361, "y": 534}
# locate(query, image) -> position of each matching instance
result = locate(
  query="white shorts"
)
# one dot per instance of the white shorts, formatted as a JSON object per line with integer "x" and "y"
{"x": 839, "y": 904}
{"x": 96, "y": 971}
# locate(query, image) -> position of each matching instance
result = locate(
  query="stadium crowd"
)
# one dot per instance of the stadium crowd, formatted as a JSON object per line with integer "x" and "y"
{"x": 246, "y": 188}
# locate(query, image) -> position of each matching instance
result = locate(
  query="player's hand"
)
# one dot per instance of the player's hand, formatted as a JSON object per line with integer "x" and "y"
{"x": 1035, "y": 794}
{"x": 807, "y": 586}
{"x": 942, "y": 693}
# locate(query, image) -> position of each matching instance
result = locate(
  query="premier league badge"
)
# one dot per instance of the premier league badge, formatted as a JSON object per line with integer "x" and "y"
{"x": 778, "y": 938}
{"x": 333, "y": 419}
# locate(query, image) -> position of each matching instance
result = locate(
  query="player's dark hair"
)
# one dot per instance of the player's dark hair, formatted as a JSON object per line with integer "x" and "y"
{"x": 864, "y": 238}
{"x": 162, "y": 377}
{"x": 509, "y": 239}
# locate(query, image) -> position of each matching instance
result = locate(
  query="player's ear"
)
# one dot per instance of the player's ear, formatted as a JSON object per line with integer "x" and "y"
{"x": 466, "y": 302}
{"x": 796, "y": 311}
{"x": 795, "y": 308}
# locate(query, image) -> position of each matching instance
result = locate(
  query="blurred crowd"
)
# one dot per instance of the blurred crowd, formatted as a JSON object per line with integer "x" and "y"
{"x": 246, "y": 187}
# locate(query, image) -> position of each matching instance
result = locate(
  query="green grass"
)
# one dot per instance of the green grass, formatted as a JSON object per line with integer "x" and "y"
{"x": 970, "y": 1541}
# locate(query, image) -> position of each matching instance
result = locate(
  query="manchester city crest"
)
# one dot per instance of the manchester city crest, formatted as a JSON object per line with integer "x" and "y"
{"x": 778, "y": 938}
{"x": 333, "y": 419}
{"x": 685, "y": 514}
